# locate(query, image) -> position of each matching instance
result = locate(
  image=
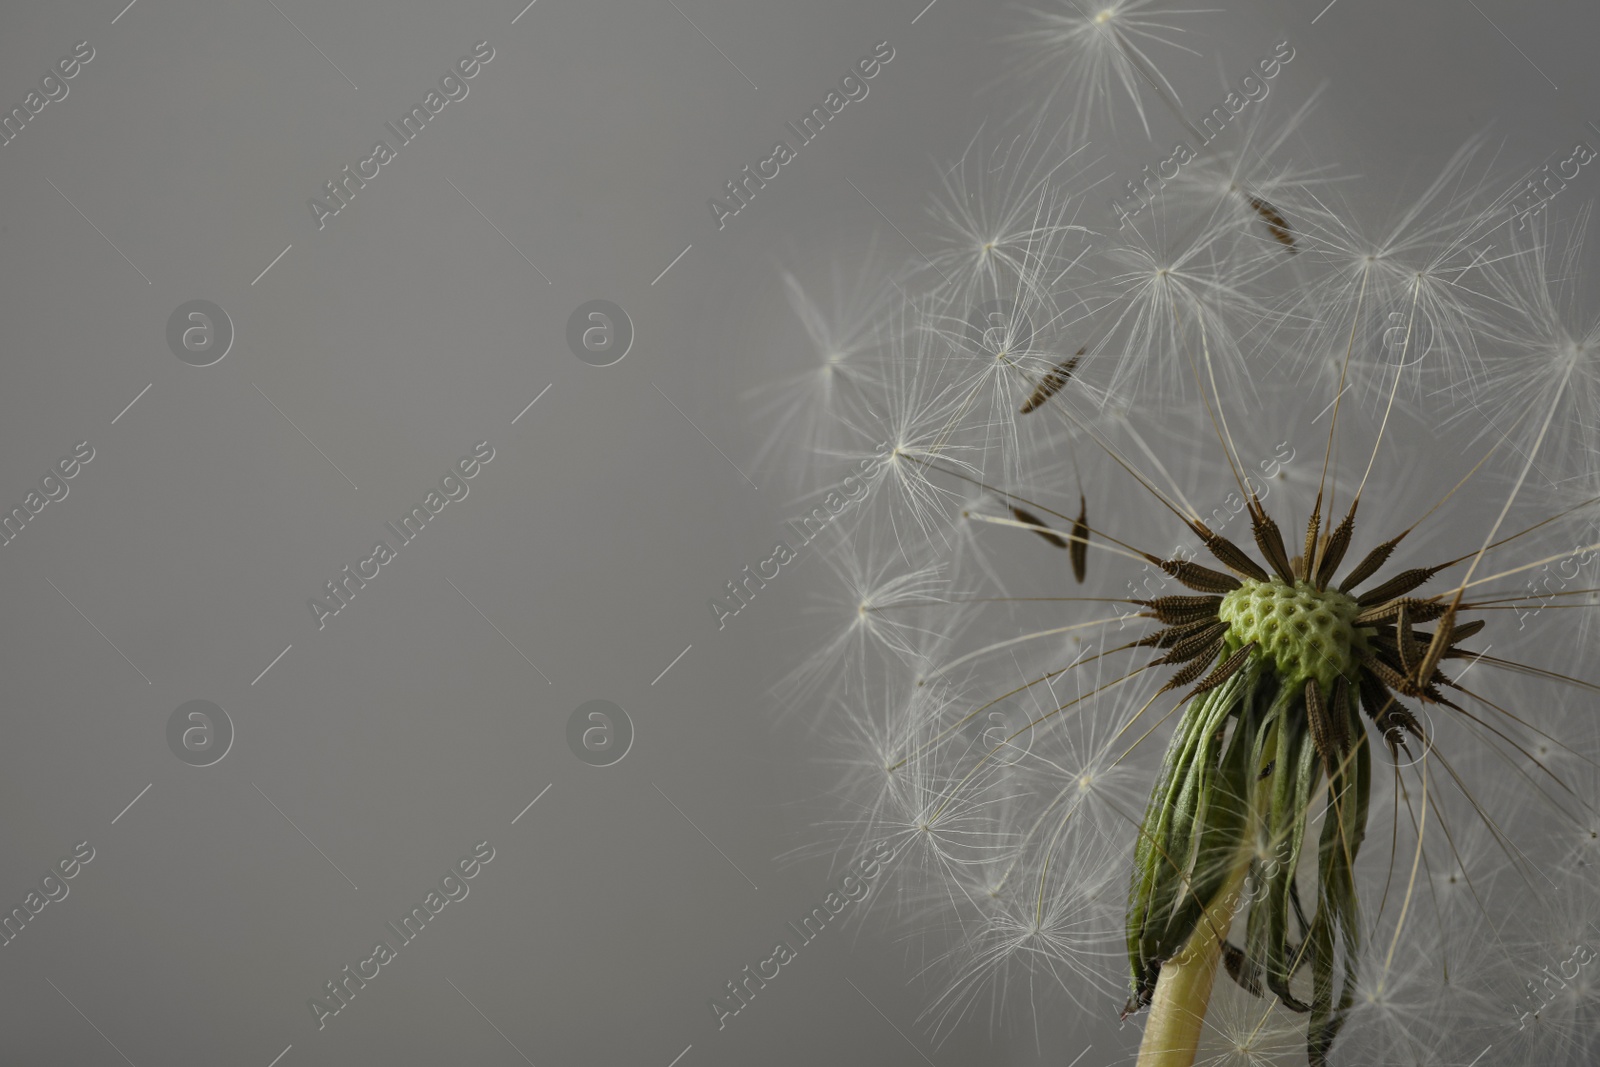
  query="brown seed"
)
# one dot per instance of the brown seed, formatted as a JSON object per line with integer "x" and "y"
{"x": 1398, "y": 586}
{"x": 1321, "y": 730}
{"x": 1334, "y": 549}
{"x": 1039, "y": 527}
{"x": 1269, "y": 539}
{"x": 1195, "y": 644}
{"x": 1194, "y": 669}
{"x": 1225, "y": 670}
{"x": 1418, "y": 610}
{"x": 1386, "y": 672}
{"x": 1176, "y": 610}
{"x": 1406, "y": 642}
{"x": 1369, "y": 565}
{"x": 1313, "y": 528}
{"x": 1329, "y": 721}
{"x": 1052, "y": 383}
{"x": 1419, "y": 685}
{"x": 1277, "y": 225}
{"x": 1228, "y": 554}
{"x": 1461, "y": 633}
{"x": 1339, "y": 718}
{"x": 1080, "y": 541}
{"x": 1170, "y": 636}
{"x": 1375, "y": 696}
{"x": 1197, "y": 577}
{"x": 1436, "y": 648}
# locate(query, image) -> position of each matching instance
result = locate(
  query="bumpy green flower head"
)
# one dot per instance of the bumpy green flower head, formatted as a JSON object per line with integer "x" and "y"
{"x": 1302, "y": 631}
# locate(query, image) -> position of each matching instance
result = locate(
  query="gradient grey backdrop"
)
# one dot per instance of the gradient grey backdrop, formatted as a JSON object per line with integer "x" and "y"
{"x": 374, "y": 354}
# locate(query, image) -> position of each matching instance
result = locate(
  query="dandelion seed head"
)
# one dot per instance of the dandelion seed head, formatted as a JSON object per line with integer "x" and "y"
{"x": 1307, "y": 632}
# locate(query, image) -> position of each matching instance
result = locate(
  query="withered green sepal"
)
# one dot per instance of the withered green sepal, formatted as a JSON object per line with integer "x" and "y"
{"x": 1236, "y": 789}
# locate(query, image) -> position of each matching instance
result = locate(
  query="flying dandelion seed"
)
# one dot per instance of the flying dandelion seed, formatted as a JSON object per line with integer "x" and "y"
{"x": 807, "y": 413}
{"x": 1028, "y": 518}
{"x": 1051, "y": 383}
{"x": 1277, "y": 225}
{"x": 1087, "y": 50}
{"x": 1080, "y": 541}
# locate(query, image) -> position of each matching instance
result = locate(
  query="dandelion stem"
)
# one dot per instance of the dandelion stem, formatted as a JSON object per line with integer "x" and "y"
{"x": 1183, "y": 991}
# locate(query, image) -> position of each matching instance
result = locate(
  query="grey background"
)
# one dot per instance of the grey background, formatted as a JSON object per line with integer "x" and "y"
{"x": 395, "y": 338}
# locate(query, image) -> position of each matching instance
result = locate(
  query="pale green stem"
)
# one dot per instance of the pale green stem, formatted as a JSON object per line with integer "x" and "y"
{"x": 1183, "y": 991}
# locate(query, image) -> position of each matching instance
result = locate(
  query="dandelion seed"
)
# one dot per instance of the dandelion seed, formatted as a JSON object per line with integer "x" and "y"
{"x": 1021, "y": 945}
{"x": 1028, "y": 518}
{"x": 1173, "y": 300}
{"x": 1004, "y": 222}
{"x": 1051, "y": 383}
{"x": 1415, "y": 289}
{"x": 1546, "y": 362}
{"x": 1277, "y": 225}
{"x": 1090, "y": 49}
{"x": 807, "y": 414}
{"x": 877, "y": 606}
{"x": 1080, "y": 541}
